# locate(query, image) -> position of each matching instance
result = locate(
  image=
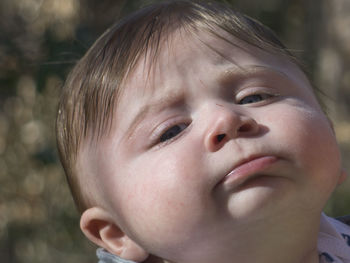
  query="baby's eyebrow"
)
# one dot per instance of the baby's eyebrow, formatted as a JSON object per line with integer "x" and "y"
{"x": 235, "y": 75}
{"x": 172, "y": 99}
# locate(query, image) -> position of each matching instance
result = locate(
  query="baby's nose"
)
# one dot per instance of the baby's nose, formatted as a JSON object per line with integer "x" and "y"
{"x": 228, "y": 124}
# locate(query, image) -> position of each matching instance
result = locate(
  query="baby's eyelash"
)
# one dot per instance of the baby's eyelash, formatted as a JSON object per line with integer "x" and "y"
{"x": 254, "y": 98}
{"x": 169, "y": 130}
{"x": 172, "y": 132}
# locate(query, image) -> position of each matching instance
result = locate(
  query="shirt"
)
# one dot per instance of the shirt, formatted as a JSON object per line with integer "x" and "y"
{"x": 333, "y": 241}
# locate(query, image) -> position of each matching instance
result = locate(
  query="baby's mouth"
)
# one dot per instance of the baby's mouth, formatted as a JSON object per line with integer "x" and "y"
{"x": 248, "y": 170}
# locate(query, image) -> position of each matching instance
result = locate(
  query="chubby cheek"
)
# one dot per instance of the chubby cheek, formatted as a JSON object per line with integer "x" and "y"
{"x": 163, "y": 197}
{"x": 306, "y": 135}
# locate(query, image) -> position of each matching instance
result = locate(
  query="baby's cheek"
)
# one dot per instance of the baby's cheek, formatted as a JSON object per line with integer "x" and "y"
{"x": 158, "y": 218}
{"x": 149, "y": 196}
{"x": 320, "y": 153}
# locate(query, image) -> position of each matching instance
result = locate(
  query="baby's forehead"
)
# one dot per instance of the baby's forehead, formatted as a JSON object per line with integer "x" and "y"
{"x": 172, "y": 54}
{"x": 183, "y": 53}
{"x": 176, "y": 55}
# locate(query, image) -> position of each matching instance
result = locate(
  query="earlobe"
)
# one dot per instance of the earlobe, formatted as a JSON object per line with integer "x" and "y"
{"x": 342, "y": 177}
{"x": 99, "y": 227}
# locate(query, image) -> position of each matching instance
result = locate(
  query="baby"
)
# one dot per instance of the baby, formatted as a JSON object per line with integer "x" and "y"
{"x": 189, "y": 133}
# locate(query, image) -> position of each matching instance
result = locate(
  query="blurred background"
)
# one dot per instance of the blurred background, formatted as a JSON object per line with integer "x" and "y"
{"x": 41, "y": 40}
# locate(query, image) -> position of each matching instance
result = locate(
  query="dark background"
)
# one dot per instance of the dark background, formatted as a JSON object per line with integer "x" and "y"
{"x": 40, "y": 40}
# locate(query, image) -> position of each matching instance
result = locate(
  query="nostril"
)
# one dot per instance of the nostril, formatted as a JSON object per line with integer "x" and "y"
{"x": 220, "y": 137}
{"x": 245, "y": 128}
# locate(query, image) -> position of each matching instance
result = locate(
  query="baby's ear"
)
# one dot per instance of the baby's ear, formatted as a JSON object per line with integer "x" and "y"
{"x": 342, "y": 177}
{"x": 99, "y": 227}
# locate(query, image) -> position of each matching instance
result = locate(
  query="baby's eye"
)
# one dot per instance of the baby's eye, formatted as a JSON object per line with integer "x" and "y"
{"x": 172, "y": 132}
{"x": 254, "y": 98}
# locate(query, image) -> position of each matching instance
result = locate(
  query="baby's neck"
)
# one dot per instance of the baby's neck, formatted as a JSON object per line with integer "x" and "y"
{"x": 289, "y": 241}
{"x": 280, "y": 241}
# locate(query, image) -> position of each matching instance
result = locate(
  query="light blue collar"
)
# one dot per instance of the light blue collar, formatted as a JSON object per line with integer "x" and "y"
{"x": 106, "y": 257}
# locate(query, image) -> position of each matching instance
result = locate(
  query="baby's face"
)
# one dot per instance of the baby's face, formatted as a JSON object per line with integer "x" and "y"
{"x": 209, "y": 148}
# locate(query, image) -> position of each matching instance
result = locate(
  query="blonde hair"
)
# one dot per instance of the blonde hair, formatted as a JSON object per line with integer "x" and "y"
{"x": 92, "y": 89}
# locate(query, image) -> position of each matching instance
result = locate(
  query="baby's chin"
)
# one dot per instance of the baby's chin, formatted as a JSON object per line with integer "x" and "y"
{"x": 260, "y": 196}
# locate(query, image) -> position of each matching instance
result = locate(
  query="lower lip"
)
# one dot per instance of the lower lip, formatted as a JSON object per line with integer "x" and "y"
{"x": 246, "y": 170}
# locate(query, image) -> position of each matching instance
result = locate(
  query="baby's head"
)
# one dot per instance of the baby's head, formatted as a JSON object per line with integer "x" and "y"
{"x": 187, "y": 130}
